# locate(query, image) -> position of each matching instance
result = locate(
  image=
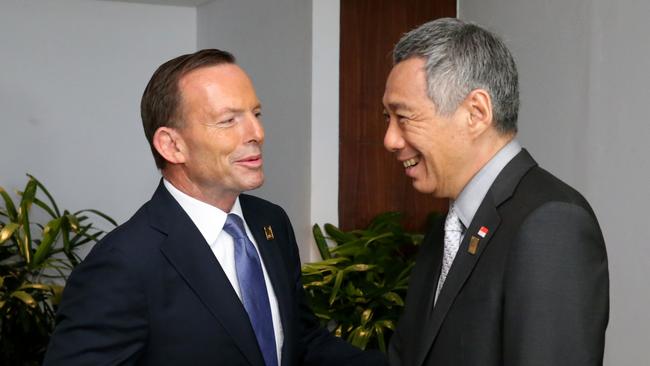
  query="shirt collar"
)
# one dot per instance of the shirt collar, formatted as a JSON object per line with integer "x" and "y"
{"x": 472, "y": 195}
{"x": 207, "y": 218}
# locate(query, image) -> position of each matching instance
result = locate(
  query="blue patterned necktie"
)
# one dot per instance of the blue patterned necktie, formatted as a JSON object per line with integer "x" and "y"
{"x": 253, "y": 288}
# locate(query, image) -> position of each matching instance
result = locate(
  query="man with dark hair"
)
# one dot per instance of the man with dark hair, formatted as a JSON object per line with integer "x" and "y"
{"x": 517, "y": 272}
{"x": 202, "y": 274}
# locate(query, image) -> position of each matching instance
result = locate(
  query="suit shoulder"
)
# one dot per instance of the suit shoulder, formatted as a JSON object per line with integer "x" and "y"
{"x": 259, "y": 204}
{"x": 131, "y": 237}
{"x": 537, "y": 191}
{"x": 544, "y": 201}
{"x": 543, "y": 187}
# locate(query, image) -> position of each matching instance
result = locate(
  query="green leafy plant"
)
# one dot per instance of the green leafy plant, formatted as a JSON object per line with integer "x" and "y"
{"x": 358, "y": 289}
{"x": 35, "y": 260}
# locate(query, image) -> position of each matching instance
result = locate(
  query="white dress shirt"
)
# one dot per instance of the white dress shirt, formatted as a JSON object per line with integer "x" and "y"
{"x": 210, "y": 220}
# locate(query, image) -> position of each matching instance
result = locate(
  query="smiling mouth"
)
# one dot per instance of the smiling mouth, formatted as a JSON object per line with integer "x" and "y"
{"x": 251, "y": 158}
{"x": 251, "y": 161}
{"x": 410, "y": 162}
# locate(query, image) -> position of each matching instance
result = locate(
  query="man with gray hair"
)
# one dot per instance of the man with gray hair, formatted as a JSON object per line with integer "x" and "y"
{"x": 517, "y": 272}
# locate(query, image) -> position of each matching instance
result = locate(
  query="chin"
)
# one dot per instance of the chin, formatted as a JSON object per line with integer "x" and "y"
{"x": 424, "y": 188}
{"x": 254, "y": 184}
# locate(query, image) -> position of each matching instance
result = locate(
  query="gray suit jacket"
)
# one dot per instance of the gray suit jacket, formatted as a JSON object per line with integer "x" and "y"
{"x": 533, "y": 291}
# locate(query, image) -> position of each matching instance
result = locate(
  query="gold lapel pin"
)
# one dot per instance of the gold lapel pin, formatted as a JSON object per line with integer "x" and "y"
{"x": 473, "y": 245}
{"x": 473, "y": 242}
{"x": 268, "y": 231}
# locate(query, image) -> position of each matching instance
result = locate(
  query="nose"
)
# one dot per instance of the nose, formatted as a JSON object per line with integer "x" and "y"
{"x": 255, "y": 130}
{"x": 393, "y": 139}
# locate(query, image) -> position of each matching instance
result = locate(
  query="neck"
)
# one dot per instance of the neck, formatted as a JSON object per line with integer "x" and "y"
{"x": 208, "y": 194}
{"x": 481, "y": 153}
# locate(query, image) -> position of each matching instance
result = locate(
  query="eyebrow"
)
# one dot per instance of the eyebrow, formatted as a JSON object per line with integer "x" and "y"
{"x": 236, "y": 110}
{"x": 398, "y": 106}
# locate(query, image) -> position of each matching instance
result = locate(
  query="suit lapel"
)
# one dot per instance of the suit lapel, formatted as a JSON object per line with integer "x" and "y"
{"x": 459, "y": 272}
{"x": 486, "y": 216}
{"x": 432, "y": 270}
{"x": 270, "y": 250}
{"x": 186, "y": 250}
{"x": 425, "y": 278}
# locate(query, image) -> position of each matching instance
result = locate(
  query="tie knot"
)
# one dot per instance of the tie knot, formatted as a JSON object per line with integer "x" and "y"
{"x": 452, "y": 223}
{"x": 234, "y": 226}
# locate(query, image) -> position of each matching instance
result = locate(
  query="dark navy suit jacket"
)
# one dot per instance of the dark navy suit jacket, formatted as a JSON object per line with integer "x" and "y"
{"x": 153, "y": 293}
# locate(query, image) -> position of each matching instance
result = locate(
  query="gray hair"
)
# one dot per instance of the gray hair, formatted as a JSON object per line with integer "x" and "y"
{"x": 461, "y": 57}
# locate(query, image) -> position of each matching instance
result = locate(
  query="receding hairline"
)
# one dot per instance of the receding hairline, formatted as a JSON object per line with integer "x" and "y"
{"x": 400, "y": 105}
{"x": 192, "y": 73}
{"x": 182, "y": 87}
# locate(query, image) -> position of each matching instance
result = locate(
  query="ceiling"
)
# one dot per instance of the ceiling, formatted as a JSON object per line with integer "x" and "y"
{"x": 167, "y": 2}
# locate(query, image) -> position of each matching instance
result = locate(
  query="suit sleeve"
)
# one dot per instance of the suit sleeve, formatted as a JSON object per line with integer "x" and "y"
{"x": 102, "y": 319}
{"x": 395, "y": 351}
{"x": 321, "y": 348}
{"x": 557, "y": 290}
{"x": 420, "y": 284}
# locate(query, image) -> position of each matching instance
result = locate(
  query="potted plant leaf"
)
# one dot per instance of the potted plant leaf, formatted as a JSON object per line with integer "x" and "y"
{"x": 35, "y": 260}
{"x": 359, "y": 287}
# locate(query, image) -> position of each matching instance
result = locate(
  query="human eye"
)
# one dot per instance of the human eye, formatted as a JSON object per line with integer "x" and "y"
{"x": 225, "y": 121}
{"x": 386, "y": 116}
{"x": 401, "y": 119}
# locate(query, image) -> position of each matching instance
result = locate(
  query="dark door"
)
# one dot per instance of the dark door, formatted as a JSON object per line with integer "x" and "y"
{"x": 371, "y": 181}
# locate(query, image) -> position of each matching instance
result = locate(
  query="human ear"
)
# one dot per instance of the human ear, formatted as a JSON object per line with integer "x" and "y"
{"x": 479, "y": 104}
{"x": 170, "y": 145}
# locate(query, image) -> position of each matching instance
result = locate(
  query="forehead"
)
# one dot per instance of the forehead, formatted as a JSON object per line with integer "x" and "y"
{"x": 225, "y": 80}
{"x": 216, "y": 89}
{"x": 406, "y": 84}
